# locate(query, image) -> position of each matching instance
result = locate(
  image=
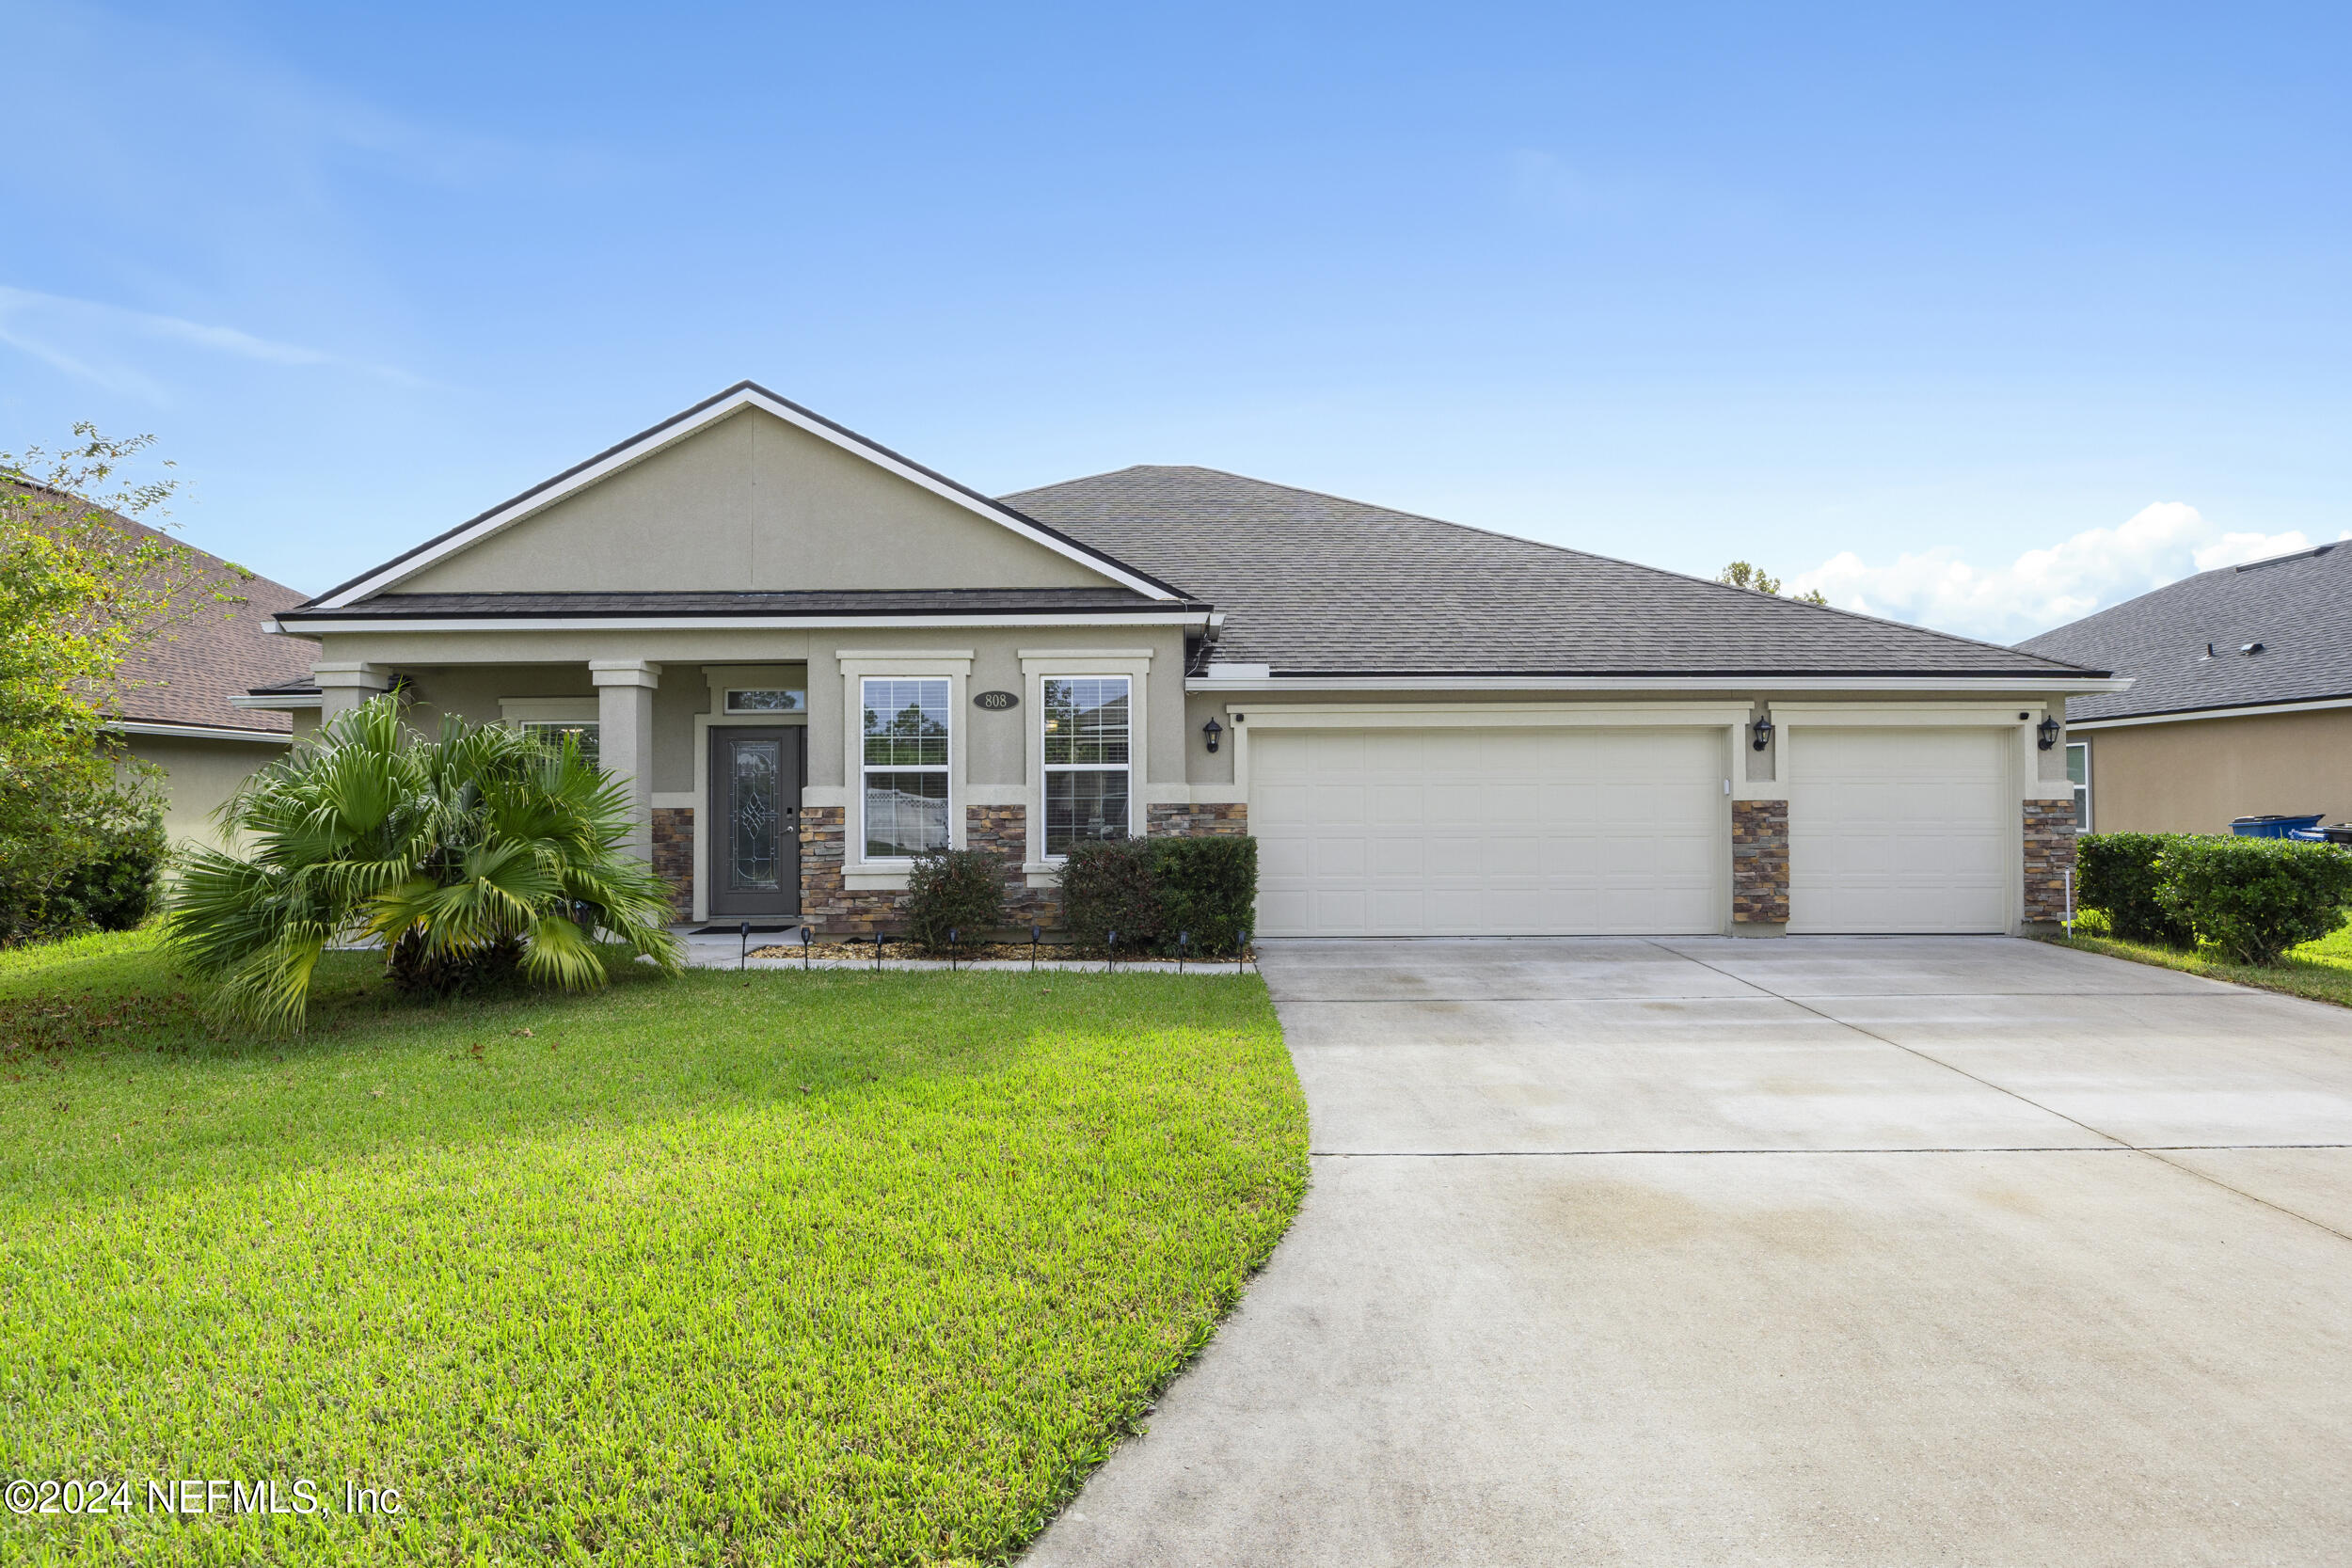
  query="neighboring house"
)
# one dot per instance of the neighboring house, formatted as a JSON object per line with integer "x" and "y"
{"x": 812, "y": 658}
{"x": 183, "y": 705}
{"x": 2240, "y": 703}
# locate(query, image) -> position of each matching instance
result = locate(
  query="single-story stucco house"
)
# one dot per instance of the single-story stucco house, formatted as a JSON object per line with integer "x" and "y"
{"x": 183, "y": 699}
{"x": 813, "y": 656}
{"x": 2240, "y": 701}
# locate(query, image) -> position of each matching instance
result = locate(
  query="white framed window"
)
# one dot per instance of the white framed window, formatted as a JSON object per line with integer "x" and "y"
{"x": 1087, "y": 731}
{"x": 905, "y": 740}
{"x": 553, "y": 730}
{"x": 766, "y": 699}
{"x": 2078, "y": 770}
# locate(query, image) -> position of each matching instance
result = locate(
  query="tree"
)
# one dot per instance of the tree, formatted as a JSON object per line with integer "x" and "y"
{"x": 475, "y": 856}
{"x": 1740, "y": 574}
{"x": 81, "y": 585}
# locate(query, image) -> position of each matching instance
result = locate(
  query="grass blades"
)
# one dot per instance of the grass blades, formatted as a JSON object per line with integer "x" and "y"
{"x": 735, "y": 1267}
{"x": 2320, "y": 971}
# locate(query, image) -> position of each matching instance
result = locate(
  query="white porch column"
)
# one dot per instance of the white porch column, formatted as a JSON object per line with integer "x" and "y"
{"x": 625, "y": 688}
{"x": 343, "y": 685}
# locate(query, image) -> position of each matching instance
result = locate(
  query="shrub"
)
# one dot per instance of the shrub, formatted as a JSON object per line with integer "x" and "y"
{"x": 2120, "y": 874}
{"x": 2255, "y": 897}
{"x": 100, "y": 864}
{"x": 1149, "y": 890}
{"x": 1209, "y": 890}
{"x": 953, "y": 889}
{"x": 478, "y": 855}
{"x": 1113, "y": 886}
{"x": 118, "y": 890}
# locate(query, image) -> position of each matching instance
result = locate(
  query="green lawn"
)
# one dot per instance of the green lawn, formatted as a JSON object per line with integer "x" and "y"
{"x": 769, "y": 1268}
{"x": 2321, "y": 970}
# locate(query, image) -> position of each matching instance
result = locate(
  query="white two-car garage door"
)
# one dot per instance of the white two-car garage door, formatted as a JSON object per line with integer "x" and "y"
{"x": 1899, "y": 829}
{"x": 1538, "y": 830}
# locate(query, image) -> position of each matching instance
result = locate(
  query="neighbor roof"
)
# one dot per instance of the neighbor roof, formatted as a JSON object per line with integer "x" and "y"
{"x": 1315, "y": 585}
{"x": 2296, "y": 606}
{"x": 187, "y": 675}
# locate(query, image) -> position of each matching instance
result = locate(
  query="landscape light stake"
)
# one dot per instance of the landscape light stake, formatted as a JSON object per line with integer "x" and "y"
{"x": 878, "y": 950}
{"x": 1110, "y": 943}
{"x": 742, "y": 953}
{"x": 1035, "y": 933}
{"x": 2070, "y": 903}
{"x": 951, "y": 949}
{"x": 1181, "y": 937}
{"x": 1241, "y": 956}
{"x": 808, "y": 935}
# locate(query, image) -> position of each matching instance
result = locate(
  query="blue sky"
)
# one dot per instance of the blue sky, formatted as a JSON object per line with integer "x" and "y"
{"x": 1980, "y": 316}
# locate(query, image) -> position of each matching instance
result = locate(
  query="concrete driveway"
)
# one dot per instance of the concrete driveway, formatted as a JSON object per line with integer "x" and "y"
{"x": 1896, "y": 1251}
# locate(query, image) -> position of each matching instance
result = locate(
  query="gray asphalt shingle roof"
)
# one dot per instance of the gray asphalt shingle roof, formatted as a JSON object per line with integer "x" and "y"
{"x": 1315, "y": 584}
{"x": 2295, "y": 606}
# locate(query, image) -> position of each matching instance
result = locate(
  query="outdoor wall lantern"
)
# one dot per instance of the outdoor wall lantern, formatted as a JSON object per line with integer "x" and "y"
{"x": 1763, "y": 728}
{"x": 1212, "y": 732}
{"x": 2047, "y": 731}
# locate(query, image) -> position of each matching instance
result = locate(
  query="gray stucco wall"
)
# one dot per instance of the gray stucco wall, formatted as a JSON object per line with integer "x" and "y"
{"x": 198, "y": 776}
{"x": 752, "y": 503}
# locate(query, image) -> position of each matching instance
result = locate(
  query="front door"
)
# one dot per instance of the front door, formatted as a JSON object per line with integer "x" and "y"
{"x": 755, "y": 806}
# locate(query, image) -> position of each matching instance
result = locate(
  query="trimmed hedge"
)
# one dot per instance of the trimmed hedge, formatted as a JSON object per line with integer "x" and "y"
{"x": 2255, "y": 897}
{"x": 1209, "y": 890}
{"x": 953, "y": 889}
{"x": 2120, "y": 873}
{"x": 1152, "y": 889}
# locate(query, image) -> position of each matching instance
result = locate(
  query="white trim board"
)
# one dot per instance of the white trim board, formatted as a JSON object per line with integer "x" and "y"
{"x": 2195, "y": 714}
{"x": 280, "y": 704}
{"x": 672, "y": 430}
{"x": 738, "y": 622}
{"x": 198, "y": 731}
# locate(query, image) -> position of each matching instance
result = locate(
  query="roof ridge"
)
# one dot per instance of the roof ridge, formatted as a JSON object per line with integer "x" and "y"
{"x": 1560, "y": 549}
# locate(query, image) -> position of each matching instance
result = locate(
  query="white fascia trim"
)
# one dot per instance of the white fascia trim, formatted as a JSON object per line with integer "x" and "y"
{"x": 201, "y": 732}
{"x": 281, "y": 704}
{"x": 653, "y": 441}
{"x": 752, "y": 623}
{"x": 2046, "y": 685}
{"x": 2195, "y": 714}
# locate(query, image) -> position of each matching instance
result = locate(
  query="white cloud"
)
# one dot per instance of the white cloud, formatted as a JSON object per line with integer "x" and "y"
{"x": 91, "y": 340}
{"x": 2045, "y": 588}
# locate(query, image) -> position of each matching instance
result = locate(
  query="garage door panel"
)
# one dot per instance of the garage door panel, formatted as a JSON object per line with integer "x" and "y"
{"x": 1897, "y": 830}
{"x": 1520, "y": 831}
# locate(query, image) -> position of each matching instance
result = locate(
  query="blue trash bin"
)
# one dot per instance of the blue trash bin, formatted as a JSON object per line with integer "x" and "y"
{"x": 2273, "y": 827}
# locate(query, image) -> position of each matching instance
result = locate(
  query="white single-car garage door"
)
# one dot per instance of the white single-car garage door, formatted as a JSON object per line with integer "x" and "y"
{"x": 1900, "y": 830}
{"x": 1540, "y": 831}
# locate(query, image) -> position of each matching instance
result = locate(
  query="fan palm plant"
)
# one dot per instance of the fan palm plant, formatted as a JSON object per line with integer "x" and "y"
{"x": 480, "y": 851}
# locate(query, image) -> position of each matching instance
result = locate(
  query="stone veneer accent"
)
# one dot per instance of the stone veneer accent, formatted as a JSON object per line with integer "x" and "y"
{"x": 2049, "y": 856}
{"x": 1224, "y": 819}
{"x": 824, "y": 902}
{"x": 1759, "y": 862}
{"x": 673, "y": 856}
{"x": 1005, "y": 830}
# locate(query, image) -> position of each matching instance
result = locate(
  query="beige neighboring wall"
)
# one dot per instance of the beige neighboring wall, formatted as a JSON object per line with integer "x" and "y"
{"x": 200, "y": 775}
{"x": 2194, "y": 776}
{"x": 754, "y": 505}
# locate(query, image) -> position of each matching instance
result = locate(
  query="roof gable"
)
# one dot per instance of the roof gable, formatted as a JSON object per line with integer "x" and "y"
{"x": 1315, "y": 584}
{"x": 746, "y": 490}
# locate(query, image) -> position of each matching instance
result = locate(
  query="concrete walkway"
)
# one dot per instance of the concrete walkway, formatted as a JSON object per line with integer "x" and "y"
{"x": 1813, "y": 1251}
